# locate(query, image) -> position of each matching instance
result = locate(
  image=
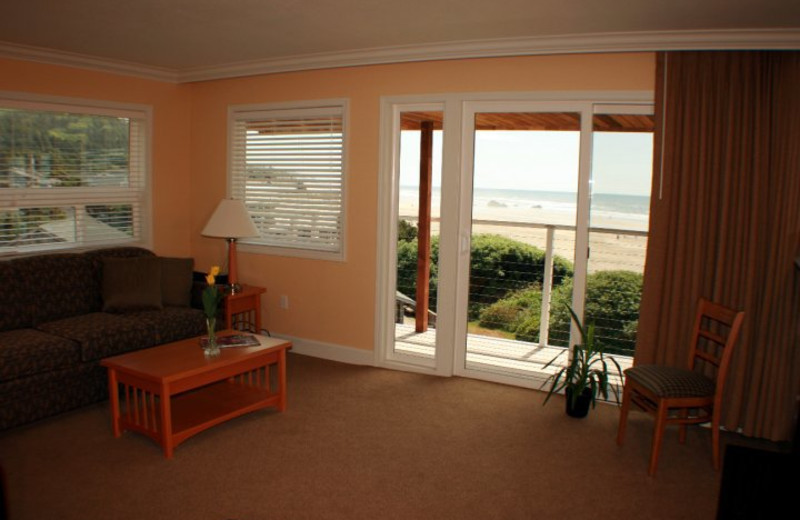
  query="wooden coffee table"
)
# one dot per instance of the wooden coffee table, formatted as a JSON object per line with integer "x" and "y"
{"x": 173, "y": 391}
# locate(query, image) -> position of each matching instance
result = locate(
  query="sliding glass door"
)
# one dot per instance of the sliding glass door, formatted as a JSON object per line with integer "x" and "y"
{"x": 522, "y": 162}
{"x": 523, "y": 209}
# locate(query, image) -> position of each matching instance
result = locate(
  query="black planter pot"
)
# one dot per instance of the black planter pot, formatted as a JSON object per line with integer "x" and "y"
{"x": 582, "y": 403}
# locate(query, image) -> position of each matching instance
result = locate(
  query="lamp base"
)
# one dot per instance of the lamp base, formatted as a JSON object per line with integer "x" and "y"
{"x": 233, "y": 279}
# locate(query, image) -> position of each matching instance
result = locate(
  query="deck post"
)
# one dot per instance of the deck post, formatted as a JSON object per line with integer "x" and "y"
{"x": 547, "y": 288}
{"x": 424, "y": 225}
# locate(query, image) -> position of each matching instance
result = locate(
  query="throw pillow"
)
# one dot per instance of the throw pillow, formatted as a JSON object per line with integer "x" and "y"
{"x": 131, "y": 284}
{"x": 176, "y": 281}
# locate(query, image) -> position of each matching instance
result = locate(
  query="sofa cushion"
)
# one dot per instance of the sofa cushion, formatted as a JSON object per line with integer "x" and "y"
{"x": 42, "y": 395}
{"x": 131, "y": 284}
{"x": 57, "y": 285}
{"x": 102, "y": 335}
{"x": 173, "y": 323}
{"x": 96, "y": 258}
{"x": 25, "y": 352}
{"x": 176, "y": 281}
{"x": 19, "y": 315}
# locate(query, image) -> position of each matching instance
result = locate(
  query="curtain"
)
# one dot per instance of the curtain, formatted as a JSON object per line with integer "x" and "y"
{"x": 725, "y": 224}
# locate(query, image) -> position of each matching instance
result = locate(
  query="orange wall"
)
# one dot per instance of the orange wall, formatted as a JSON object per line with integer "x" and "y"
{"x": 334, "y": 302}
{"x": 329, "y": 302}
{"x": 170, "y": 139}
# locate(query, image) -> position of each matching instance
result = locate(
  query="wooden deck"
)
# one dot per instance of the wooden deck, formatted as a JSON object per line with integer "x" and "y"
{"x": 509, "y": 357}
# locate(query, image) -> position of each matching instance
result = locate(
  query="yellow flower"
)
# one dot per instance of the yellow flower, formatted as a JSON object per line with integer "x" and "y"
{"x": 212, "y": 273}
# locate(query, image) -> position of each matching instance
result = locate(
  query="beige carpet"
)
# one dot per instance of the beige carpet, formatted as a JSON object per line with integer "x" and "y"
{"x": 360, "y": 442}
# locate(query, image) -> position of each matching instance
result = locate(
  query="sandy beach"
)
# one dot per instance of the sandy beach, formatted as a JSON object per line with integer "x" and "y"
{"x": 609, "y": 250}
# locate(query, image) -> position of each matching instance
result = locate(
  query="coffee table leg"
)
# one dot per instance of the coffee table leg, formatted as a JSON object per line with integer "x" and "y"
{"x": 113, "y": 398}
{"x": 166, "y": 422}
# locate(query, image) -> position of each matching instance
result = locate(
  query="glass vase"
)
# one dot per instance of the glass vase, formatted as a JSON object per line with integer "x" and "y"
{"x": 211, "y": 347}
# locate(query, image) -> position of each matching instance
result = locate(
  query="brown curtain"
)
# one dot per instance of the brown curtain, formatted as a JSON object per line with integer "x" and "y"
{"x": 725, "y": 224}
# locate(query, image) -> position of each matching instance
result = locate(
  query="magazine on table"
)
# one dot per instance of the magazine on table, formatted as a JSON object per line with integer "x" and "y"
{"x": 234, "y": 340}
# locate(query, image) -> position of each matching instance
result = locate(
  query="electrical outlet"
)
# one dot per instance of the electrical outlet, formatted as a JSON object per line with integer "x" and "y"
{"x": 284, "y": 301}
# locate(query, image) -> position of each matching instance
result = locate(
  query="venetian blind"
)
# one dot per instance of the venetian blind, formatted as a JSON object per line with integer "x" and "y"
{"x": 70, "y": 176}
{"x": 287, "y": 165}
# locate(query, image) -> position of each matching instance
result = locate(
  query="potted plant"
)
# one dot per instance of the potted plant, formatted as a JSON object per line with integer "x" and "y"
{"x": 586, "y": 376}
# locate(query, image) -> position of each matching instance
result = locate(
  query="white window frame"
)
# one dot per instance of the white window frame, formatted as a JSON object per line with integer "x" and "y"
{"x": 288, "y": 110}
{"x": 139, "y": 193}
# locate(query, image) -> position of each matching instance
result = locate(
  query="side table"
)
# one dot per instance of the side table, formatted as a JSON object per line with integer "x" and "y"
{"x": 243, "y": 309}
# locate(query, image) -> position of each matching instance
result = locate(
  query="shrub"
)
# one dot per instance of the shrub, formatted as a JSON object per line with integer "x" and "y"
{"x": 406, "y": 231}
{"x": 529, "y": 329}
{"x": 499, "y": 266}
{"x": 612, "y": 304}
{"x": 512, "y": 311}
{"x": 407, "y": 269}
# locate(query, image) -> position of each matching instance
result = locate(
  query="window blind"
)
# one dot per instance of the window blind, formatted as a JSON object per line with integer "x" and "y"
{"x": 70, "y": 177}
{"x": 287, "y": 166}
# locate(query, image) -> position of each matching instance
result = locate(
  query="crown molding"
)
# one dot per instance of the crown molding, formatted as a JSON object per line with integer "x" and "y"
{"x": 567, "y": 44}
{"x": 752, "y": 39}
{"x": 83, "y": 61}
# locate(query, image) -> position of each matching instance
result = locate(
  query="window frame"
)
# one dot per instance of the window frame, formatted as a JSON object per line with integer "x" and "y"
{"x": 85, "y": 196}
{"x": 238, "y": 113}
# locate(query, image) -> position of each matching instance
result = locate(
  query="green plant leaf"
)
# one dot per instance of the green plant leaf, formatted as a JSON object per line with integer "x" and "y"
{"x": 588, "y": 367}
{"x": 577, "y": 323}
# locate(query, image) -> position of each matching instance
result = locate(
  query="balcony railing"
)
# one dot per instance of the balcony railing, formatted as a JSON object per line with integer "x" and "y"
{"x": 611, "y": 250}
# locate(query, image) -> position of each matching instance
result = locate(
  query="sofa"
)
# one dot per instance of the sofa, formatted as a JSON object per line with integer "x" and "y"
{"x": 61, "y": 313}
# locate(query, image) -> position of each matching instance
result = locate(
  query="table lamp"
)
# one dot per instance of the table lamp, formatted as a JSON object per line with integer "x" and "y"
{"x": 231, "y": 221}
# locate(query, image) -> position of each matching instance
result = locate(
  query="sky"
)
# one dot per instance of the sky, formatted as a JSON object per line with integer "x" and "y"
{"x": 544, "y": 161}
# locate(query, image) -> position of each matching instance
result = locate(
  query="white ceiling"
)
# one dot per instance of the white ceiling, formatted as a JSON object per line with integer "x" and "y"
{"x": 190, "y": 38}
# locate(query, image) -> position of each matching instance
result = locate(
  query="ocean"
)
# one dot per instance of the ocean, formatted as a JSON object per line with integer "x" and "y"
{"x": 604, "y": 206}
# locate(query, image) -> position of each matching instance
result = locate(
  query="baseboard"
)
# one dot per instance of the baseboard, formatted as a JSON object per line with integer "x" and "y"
{"x": 330, "y": 351}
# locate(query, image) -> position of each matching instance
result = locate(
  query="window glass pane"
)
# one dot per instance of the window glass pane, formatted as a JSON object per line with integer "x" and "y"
{"x": 418, "y": 219}
{"x": 621, "y": 177}
{"x": 111, "y": 221}
{"x": 70, "y": 176}
{"x": 289, "y": 172}
{"x": 43, "y": 149}
{"x": 524, "y": 206}
{"x": 31, "y": 226}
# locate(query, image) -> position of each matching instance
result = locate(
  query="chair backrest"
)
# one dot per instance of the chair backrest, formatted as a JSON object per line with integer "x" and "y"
{"x": 716, "y": 329}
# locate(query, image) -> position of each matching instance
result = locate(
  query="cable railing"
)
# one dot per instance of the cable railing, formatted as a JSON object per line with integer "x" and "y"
{"x": 521, "y": 282}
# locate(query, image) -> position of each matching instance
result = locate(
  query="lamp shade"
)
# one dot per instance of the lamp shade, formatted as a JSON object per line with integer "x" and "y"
{"x": 230, "y": 220}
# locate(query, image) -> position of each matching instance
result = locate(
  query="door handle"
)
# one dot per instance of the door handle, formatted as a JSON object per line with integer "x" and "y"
{"x": 464, "y": 244}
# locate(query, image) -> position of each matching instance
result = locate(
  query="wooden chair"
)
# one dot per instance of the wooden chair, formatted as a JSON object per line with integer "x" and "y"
{"x": 686, "y": 396}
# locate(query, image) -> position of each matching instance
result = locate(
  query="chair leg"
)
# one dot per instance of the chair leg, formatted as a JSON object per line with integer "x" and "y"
{"x": 623, "y": 414}
{"x": 684, "y": 413}
{"x": 658, "y": 434}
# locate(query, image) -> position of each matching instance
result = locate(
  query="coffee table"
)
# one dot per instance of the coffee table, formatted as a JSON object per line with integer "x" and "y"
{"x": 173, "y": 391}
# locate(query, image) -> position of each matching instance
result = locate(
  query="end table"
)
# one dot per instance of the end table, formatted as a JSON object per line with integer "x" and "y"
{"x": 243, "y": 309}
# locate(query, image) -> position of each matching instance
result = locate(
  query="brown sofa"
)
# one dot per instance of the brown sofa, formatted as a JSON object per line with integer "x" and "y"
{"x": 62, "y": 313}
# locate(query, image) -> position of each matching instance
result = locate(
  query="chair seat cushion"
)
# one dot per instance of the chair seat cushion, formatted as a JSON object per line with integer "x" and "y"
{"x": 670, "y": 381}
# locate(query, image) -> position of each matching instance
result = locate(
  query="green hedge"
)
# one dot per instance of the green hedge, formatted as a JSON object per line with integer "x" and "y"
{"x": 505, "y": 290}
{"x": 612, "y": 304}
{"x": 499, "y": 266}
{"x": 407, "y": 269}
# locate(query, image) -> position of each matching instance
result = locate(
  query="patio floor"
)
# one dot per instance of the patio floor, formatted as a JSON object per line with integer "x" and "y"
{"x": 509, "y": 357}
